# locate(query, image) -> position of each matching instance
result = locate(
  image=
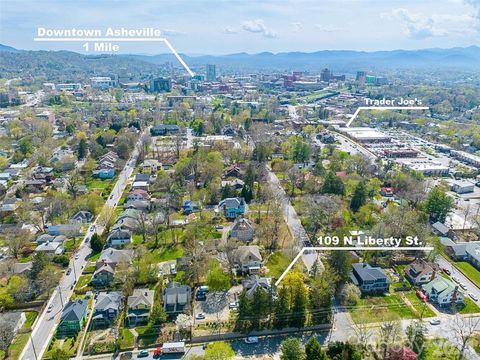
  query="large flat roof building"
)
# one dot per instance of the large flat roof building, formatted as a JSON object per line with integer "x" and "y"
{"x": 365, "y": 135}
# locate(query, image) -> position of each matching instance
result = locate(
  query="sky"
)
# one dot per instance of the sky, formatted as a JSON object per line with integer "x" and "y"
{"x": 231, "y": 26}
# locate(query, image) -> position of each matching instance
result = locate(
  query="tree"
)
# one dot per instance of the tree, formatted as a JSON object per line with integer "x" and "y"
{"x": 60, "y": 354}
{"x": 438, "y": 205}
{"x": 281, "y": 309}
{"x": 416, "y": 338}
{"x": 359, "y": 196}
{"x": 299, "y": 307}
{"x": 158, "y": 315}
{"x": 47, "y": 279}
{"x": 17, "y": 242}
{"x": 463, "y": 329}
{"x": 313, "y": 350}
{"x": 219, "y": 350}
{"x": 340, "y": 350}
{"x": 333, "y": 184}
{"x": 82, "y": 149}
{"x": 7, "y": 334}
{"x": 19, "y": 288}
{"x": 39, "y": 262}
{"x": 217, "y": 279}
{"x": 96, "y": 243}
{"x": 349, "y": 295}
{"x": 291, "y": 349}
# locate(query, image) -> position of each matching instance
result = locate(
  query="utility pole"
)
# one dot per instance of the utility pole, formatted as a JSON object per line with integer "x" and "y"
{"x": 33, "y": 346}
{"x": 60, "y": 293}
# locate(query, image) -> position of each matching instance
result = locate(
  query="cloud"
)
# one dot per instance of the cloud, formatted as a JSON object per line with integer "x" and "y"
{"x": 170, "y": 32}
{"x": 418, "y": 26}
{"x": 229, "y": 30}
{"x": 476, "y": 5}
{"x": 297, "y": 26}
{"x": 258, "y": 26}
{"x": 328, "y": 28}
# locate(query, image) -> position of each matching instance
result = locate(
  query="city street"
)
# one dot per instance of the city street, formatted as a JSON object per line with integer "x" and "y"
{"x": 47, "y": 323}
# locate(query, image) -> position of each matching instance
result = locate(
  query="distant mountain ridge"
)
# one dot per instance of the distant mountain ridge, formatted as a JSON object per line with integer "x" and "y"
{"x": 466, "y": 58}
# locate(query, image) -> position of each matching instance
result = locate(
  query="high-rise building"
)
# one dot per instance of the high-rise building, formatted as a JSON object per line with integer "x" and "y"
{"x": 211, "y": 72}
{"x": 161, "y": 85}
{"x": 326, "y": 75}
{"x": 361, "y": 76}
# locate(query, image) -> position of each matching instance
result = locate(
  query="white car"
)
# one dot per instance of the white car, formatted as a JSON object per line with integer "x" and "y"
{"x": 251, "y": 340}
{"x": 473, "y": 296}
{"x": 454, "y": 278}
{"x": 77, "y": 256}
{"x": 200, "y": 316}
{"x": 463, "y": 286}
{"x": 233, "y": 305}
{"x": 435, "y": 322}
{"x": 50, "y": 307}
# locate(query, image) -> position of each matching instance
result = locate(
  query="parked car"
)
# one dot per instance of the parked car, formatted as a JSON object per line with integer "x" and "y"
{"x": 251, "y": 340}
{"x": 77, "y": 256}
{"x": 69, "y": 270}
{"x": 463, "y": 286}
{"x": 142, "y": 354}
{"x": 232, "y": 305}
{"x": 200, "y": 316}
{"x": 435, "y": 322}
{"x": 50, "y": 307}
{"x": 173, "y": 269}
{"x": 219, "y": 227}
{"x": 473, "y": 296}
{"x": 446, "y": 271}
{"x": 454, "y": 278}
{"x": 126, "y": 355}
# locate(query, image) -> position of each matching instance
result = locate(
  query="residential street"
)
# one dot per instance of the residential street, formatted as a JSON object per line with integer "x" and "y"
{"x": 46, "y": 324}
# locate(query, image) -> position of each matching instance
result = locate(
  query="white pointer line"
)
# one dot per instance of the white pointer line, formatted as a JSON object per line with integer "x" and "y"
{"x": 350, "y": 248}
{"x": 381, "y": 108}
{"x": 113, "y": 39}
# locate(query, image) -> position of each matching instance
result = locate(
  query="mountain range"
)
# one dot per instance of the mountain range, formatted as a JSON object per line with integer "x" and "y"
{"x": 467, "y": 58}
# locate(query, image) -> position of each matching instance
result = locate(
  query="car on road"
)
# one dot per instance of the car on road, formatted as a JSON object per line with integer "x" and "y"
{"x": 126, "y": 355}
{"x": 454, "y": 278}
{"x": 219, "y": 227}
{"x": 173, "y": 269}
{"x": 473, "y": 296}
{"x": 446, "y": 271}
{"x": 233, "y": 305}
{"x": 77, "y": 256}
{"x": 463, "y": 286}
{"x": 435, "y": 322}
{"x": 251, "y": 340}
{"x": 69, "y": 270}
{"x": 200, "y": 316}
{"x": 50, "y": 307}
{"x": 93, "y": 228}
{"x": 142, "y": 354}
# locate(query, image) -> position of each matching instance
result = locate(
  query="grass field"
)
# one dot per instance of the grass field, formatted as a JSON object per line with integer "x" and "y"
{"x": 126, "y": 339}
{"x": 276, "y": 264}
{"x": 166, "y": 254}
{"x": 420, "y": 307}
{"x": 440, "y": 349}
{"x": 470, "y": 307}
{"x": 83, "y": 281}
{"x": 381, "y": 308}
{"x": 469, "y": 271}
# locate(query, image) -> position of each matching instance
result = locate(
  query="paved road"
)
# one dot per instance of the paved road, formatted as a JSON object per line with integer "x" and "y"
{"x": 46, "y": 324}
{"x": 293, "y": 221}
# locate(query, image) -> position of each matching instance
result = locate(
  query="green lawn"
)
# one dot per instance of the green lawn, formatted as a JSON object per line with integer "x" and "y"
{"x": 440, "y": 349}
{"x": 126, "y": 339}
{"x": 469, "y": 271}
{"x": 469, "y": 307}
{"x": 67, "y": 344}
{"x": 419, "y": 305}
{"x": 381, "y": 308}
{"x": 98, "y": 184}
{"x": 277, "y": 263}
{"x": 83, "y": 281}
{"x": 166, "y": 254}
{"x": 147, "y": 335}
{"x": 21, "y": 339}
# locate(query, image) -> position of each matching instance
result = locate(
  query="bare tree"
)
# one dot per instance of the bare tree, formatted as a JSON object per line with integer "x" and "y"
{"x": 18, "y": 241}
{"x": 463, "y": 329}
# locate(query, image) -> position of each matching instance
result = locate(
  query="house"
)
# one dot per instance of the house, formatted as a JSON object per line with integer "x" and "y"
{"x": 386, "y": 191}
{"x": 421, "y": 272}
{"x": 129, "y": 214}
{"x": 440, "y": 228}
{"x": 462, "y": 186}
{"x": 142, "y": 177}
{"x": 457, "y": 251}
{"x": 64, "y": 229}
{"x": 472, "y": 253}
{"x": 153, "y": 165}
{"x": 140, "y": 205}
{"x": 190, "y": 206}
{"x": 81, "y": 217}
{"x": 369, "y": 279}
{"x": 242, "y": 229}
{"x": 138, "y": 195}
{"x": 35, "y": 185}
{"x": 42, "y": 239}
{"x": 139, "y": 306}
{"x": 22, "y": 268}
{"x": 233, "y": 171}
{"x": 176, "y": 298}
{"x": 73, "y": 317}
{"x": 443, "y": 292}
{"x": 228, "y": 130}
{"x": 103, "y": 276}
{"x": 233, "y": 207}
{"x": 114, "y": 256}
{"x": 254, "y": 282}
{"x": 119, "y": 237}
{"x": 235, "y": 184}
{"x": 106, "y": 308}
{"x": 247, "y": 259}
{"x": 164, "y": 129}
{"x": 104, "y": 173}
{"x": 50, "y": 248}
{"x": 140, "y": 185}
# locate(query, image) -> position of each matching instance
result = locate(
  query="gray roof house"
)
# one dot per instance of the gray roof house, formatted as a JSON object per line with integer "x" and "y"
{"x": 369, "y": 279}
{"x": 254, "y": 282}
{"x": 50, "y": 248}
{"x": 114, "y": 256}
{"x": 440, "y": 228}
{"x": 106, "y": 308}
{"x": 176, "y": 298}
{"x": 139, "y": 306}
{"x": 81, "y": 217}
{"x": 242, "y": 229}
{"x": 50, "y": 238}
{"x": 247, "y": 259}
{"x": 119, "y": 237}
